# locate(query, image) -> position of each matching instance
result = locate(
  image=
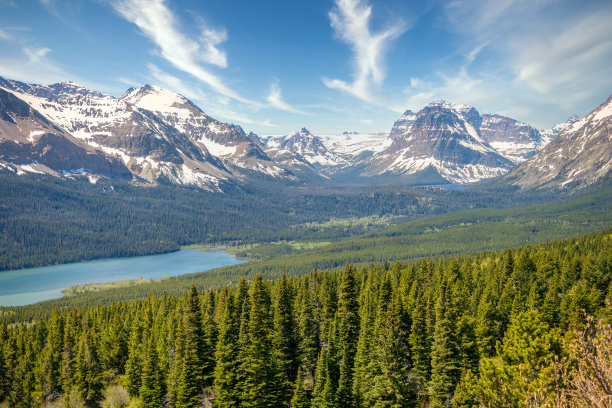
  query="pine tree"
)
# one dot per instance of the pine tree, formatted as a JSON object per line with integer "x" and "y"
{"x": 50, "y": 384}
{"x": 444, "y": 365}
{"x": 348, "y": 333}
{"x": 388, "y": 374}
{"x": 308, "y": 336}
{"x": 209, "y": 340}
{"x": 300, "y": 397}
{"x": 363, "y": 355}
{"x": 285, "y": 335}
{"x": 263, "y": 384}
{"x": 190, "y": 353}
{"x": 152, "y": 385}
{"x": 133, "y": 365}
{"x": 4, "y": 371}
{"x": 420, "y": 345}
{"x": 88, "y": 376}
{"x": 525, "y": 364}
{"x": 319, "y": 384}
{"x": 227, "y": 358}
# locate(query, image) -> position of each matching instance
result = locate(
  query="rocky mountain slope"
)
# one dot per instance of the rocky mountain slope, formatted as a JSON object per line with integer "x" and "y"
{"x": 153, "y": 134}
{"x": 443, "y": 138}
{"x": 30, "y": 142}
{"x": 580, "y": 155}
{"x": 157, "y": 134}
{"x": 512, "y": 139}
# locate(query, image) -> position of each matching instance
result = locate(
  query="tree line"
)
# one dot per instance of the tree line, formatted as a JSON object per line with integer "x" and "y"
{"x": 500, "y": 329}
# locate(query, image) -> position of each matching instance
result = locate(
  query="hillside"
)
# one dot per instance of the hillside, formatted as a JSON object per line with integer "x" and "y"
{"x": 409, "y": 334}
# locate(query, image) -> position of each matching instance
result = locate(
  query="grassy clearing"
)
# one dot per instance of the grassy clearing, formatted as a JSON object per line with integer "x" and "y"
{"x": 96, "y": 287}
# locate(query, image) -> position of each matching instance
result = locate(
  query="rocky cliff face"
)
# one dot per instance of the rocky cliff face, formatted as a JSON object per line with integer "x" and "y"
{"x": 30, "y": 142}
{"x": 154, "y": 132}
{"x": 516, "y": 141}
{"x": 580, "y": 155}
{"x": 442, "y": 137}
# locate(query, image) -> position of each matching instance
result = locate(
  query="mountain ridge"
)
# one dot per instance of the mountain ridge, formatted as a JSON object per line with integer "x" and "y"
{"x": 160, "y": 135}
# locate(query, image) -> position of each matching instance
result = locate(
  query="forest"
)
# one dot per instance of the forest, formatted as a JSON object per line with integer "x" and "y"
{"x": 45, "y": 220}
{"x": 522, "y": 327}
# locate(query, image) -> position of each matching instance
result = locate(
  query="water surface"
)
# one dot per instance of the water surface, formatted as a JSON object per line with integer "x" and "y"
{"x": 25, "y": 286}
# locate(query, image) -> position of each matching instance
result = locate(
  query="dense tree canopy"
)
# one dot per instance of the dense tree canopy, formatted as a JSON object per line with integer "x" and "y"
{"x": 499, "y": 329}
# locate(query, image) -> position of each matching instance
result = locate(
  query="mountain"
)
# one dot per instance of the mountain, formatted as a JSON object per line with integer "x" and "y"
{"x": 442, "y": 139}
{"x": 157, "y": 134}
{"x": 305, "y": 151}
{"x": 549, "y": 134}
{"x": 29, "y": 142}
{"x": 154, "y": 135}
{"x": 580, "y": 155}
{"x": 516, "y": 141}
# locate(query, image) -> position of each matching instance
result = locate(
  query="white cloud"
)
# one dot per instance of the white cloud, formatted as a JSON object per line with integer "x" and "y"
{"x": 351, "y": 20}
{"x": 33, "y": 65}
{"x": 202, "y": 100}
{"x": 275, "y": 99}
{"x": 160, "y": 25}
{"x": 557, "y": 51}
{"x": 4, "y": 35}
{"x": 570, "y": 62}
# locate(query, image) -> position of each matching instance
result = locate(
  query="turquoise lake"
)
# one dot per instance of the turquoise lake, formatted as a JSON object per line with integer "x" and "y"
{"x": 26, "y": 286}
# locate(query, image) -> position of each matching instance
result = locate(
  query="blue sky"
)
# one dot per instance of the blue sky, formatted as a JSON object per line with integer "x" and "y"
{"x": 274, "y": 66}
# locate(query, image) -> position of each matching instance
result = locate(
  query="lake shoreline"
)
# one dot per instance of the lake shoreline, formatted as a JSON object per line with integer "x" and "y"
{"x": 27, "y": 286}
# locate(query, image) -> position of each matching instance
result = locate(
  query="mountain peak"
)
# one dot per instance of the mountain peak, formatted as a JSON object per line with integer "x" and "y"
{"x": 441, "y": 103}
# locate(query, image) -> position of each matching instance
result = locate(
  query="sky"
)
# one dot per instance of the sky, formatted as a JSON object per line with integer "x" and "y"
{"x": 275, "y": 66}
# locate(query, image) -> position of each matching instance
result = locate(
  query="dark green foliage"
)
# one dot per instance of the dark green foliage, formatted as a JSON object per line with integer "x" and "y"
{"x": 263, "y": 382}
{"x": 470, "y": 331}
{"x": 226, "y": 357}
{"x": 300, "y": 397}
{"x": 47, "y": 220}
{"x": 285, "y": 335}
{"x": 152, "y": 390}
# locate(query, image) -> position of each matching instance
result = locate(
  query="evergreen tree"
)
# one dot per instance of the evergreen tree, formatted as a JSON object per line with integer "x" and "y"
{"x": 88, "y": 376}
{"x": 308, "y": 335}
{"x": 524, "y": 365}
{"x": 190, "y": 380}
{"x": 300, "y": 397}
{"x": 420, "y": 345}
{"x": 444, "y": 365}
{"x": 285, "y": 335}
{"x": 133, "y": 365}
{"x": 152, "y": 385}
{"x": 209, "y": 340}
{"x": 227, "y": 358}
{"x": 263, "y": 384}
{"x": 50, "y": 383}
{"x": 348, "y": 334}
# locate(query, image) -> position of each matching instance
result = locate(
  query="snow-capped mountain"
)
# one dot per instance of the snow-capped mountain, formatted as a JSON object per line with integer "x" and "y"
{"x": 29, "y": 142}
{"x": 580, "y": 155}
{"x": 441, "y": 137}
{"x": 550, "y": 134}
{"x": 357, "y": 144}
{"x": 155, "y": 132}
{"x": 516, "y": 141}
{"x": 303, "y": 149}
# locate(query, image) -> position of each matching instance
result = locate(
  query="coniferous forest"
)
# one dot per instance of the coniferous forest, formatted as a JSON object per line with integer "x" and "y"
{"x": 527, "y": 327}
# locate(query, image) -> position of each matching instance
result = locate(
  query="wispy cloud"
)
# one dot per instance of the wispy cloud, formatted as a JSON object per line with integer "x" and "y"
{"x": 556, "y": 50}
{"x": 275, "y": 99}
{"x": 4, "y": 36}
{"x": 33, "y": 65}
{"x": 351, "y": 20}
{"x": 202, "y": 99}
{"x": 160, "y": 25}
{"x": 570, "y": 62}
